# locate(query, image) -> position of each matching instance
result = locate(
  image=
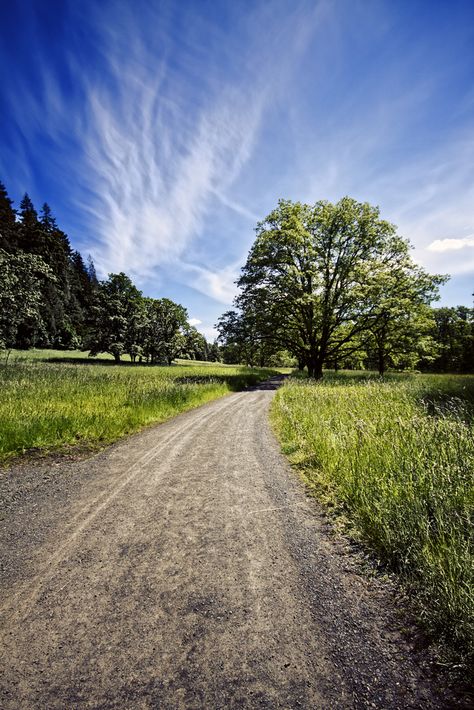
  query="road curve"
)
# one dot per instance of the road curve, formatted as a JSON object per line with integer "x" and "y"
{"x": 186, "y": 568}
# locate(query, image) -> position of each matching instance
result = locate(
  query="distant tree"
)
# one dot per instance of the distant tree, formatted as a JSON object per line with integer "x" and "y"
{"x": 282, "y": 358}
{"x": 241, "y": 341}
{"x": 195, "y": 346}
{"x": 23, "y": 278}
{"x": 117, "y": 302}
{"x": 163, "y": 337}
{"x": 91, "y": 271}
{"x": 401, "y": 341}
{"x": 453, "y": 331}
{"x": 402, "y": 317}
{"x": 237, "y": 337}
{"x": 315, "y": 277}
{"x": 214, "y": 353}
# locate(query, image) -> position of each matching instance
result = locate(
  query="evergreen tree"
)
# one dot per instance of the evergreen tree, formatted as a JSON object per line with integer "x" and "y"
{"x": 91, "y": 271}
{"x": 82, "y": 295}
{"x": 54, "y": 247}
{"x": 8, "y": 224}
{"x": 29, "y": 233}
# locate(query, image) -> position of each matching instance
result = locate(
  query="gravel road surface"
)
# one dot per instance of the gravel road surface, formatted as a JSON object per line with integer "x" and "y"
{"x": 185, "y": 568}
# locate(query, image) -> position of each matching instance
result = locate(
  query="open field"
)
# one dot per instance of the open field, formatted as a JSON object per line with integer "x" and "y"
{"x": 394, "y": 460}
{"x": 51, "y": 399}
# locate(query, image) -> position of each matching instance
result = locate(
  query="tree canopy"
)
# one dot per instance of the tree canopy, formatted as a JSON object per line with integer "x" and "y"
{"x": 321, "y": 281}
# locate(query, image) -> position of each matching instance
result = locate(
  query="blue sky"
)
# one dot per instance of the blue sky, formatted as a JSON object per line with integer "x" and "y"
{"x": 160, "y": 132}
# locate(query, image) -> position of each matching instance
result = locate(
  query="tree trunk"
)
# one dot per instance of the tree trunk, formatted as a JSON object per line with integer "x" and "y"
{"x": 117, "y": 357}
{"x": 381, "y": 359}
{"x": 315, "y": 367}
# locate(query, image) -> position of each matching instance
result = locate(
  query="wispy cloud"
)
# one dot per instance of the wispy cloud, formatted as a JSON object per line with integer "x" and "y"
{"x": 160, "y": 153}
{"x": 218, "y": 284}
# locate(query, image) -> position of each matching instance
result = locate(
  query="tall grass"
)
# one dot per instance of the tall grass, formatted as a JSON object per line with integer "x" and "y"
{"x": 47, "y": 405}
{"x": 396, "y": 460}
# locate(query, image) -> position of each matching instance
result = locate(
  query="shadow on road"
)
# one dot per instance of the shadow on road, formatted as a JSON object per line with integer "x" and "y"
{"x": 272, "y": 384}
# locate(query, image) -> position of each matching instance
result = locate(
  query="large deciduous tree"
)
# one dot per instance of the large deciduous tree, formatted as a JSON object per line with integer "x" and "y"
{"x": 319, "y": 278}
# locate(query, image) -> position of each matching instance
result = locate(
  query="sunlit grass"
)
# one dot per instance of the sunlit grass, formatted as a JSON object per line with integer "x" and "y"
{"x": 395, "y": 460}
{"x": 47, "y": 404}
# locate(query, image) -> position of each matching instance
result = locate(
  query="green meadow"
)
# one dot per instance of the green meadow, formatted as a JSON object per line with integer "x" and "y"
{"x": 394, "y": 461}
{"x": 56, "y": 399}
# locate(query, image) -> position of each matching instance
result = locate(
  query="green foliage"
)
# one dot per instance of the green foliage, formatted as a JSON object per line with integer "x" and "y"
{"x": 163, "y": 338}
{"x": 46, "y": 404}
{"x": 396, "y": 457}
{"x": 195, "y": 345}
{"x": 114, "y": 314}
{"x": 23, "y": 279}
{"x": 320, "y": 280}
{"x": 65, "y": 299}
{"x": 401, "y": 337}
{"x": 453, "y": 331}
{"x": 8, "y": 229}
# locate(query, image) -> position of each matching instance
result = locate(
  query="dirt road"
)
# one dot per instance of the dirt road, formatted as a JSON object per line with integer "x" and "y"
{"x": 185, "y": 568}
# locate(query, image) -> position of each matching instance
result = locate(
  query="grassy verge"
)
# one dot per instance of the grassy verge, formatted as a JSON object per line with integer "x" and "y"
{"x": 395, "y": 461}
{"x": 52, "y": 400}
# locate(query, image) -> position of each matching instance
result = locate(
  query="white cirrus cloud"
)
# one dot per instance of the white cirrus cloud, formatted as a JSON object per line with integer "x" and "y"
{"x": 194, "y": 321}
{"x": 169, "y": 133}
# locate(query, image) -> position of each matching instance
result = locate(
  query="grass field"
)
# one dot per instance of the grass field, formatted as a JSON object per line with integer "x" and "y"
{"x": 55, "y": 399}
{"x": 394, "y": 460}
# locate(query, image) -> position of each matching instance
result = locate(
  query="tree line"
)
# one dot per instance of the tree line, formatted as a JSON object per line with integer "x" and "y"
{"x": 51, "y": 298}
{"x": 334, "y": 286}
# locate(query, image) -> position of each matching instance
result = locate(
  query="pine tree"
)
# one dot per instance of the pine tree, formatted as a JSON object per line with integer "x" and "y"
{"x": 91, "y": 271}
{"x": 8, "y": 224}
{"x": 82, "y": 295}
{"x": 29, "y": 228}
{"x": 54, "y": 248}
